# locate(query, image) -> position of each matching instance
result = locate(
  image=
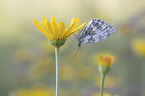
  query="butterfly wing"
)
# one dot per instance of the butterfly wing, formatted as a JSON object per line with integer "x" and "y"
{"x": 95, "y": 31}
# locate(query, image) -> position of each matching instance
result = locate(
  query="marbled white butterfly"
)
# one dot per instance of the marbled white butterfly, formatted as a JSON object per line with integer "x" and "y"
{"x": 95, "y": 31}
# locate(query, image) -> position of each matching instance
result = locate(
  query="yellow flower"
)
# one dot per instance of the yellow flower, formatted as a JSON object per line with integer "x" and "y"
{"x": 106, "y": 60}
{"x": 105, "y": 94}
{"x": 138, "y": 46}
{"x": 34, "y": 92}
{"x": 56, "y": 33}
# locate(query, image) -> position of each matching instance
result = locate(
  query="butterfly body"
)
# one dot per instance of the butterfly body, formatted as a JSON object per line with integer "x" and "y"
{"x": 95, "y": 31}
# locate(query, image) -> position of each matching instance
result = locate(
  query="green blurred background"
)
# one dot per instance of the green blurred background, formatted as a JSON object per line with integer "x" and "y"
{"x": 27, "y": 59}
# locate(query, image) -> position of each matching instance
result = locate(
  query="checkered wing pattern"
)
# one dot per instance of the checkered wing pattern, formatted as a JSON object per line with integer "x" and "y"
{"x": 95, "y": 31}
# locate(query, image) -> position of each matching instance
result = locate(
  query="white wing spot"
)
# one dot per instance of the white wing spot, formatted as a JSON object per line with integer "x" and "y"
{"x": 94, "y": 29}
{"x": 95, "y": 36}
{"x": 87, "y": 37}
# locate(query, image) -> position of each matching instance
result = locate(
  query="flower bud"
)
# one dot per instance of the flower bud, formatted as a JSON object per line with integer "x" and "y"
{"x": 105, "y": 62}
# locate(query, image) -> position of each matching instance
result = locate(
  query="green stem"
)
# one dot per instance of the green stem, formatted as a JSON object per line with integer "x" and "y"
{"x": 57, "y": 57}
{"x": 102, "y": 84}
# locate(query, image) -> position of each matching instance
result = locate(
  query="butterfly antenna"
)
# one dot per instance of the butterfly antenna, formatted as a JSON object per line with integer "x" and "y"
{"x": 77, "y": 52}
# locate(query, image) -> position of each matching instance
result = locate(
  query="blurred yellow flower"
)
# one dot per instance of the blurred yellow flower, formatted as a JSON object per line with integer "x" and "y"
{"x": 138, "y": 46}
{"x": 106, "y": 60}
{"x": 56, "y": 33}
{"x": 105, "y": 94}
{"x": 34, "y": 92}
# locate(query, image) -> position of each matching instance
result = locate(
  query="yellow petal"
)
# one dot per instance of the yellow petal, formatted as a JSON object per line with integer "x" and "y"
{"x": 70, "y": 29}
{"x": 106, "y": 60}
{"x": 79, "y": 27}
{"x": 44, "y": 24}
{"x": 40, "y": 28}
{"x": 53, "y": 19}
{"x": 72, "y": 21}
{"x": 68, "y": 34}
{"x": 55, "y": 27}
{"x": 44, "y": 19}
{"x": 61, "y": 28}
{"x": 50, "y": 28}
{"x": 78, "y": 20}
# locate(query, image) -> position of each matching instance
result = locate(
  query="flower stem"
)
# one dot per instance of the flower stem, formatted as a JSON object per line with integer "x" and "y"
{"x": 102, "y": 84}
{"x": 57, "y": 57}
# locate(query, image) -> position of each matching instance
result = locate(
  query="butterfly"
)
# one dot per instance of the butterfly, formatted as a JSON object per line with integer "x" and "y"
{"x": 95, "y": 31}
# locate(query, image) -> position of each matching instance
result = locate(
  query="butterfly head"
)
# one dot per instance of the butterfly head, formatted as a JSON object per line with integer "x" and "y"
{"x": 78, "y": 40}
{"x": 79, "y": 44}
